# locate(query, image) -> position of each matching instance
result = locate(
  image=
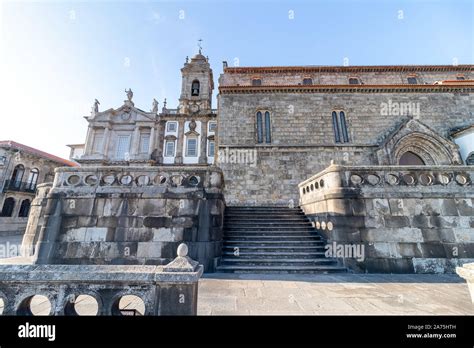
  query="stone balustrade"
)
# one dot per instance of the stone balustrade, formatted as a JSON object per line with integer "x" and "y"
{"x": 408, "y": 218}
{"x": 165, "y": 290}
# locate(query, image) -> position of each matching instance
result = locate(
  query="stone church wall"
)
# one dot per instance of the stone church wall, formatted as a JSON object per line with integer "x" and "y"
{"x": 303, "y": 137}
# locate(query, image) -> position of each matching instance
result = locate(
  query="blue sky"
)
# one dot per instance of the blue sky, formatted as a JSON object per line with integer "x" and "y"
{"x": 57, "y": 56}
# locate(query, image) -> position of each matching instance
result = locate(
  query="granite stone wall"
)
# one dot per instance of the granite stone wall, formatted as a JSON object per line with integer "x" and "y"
{"x": 128, "y": 215}
{"x": 408, "y": 219}
{"x": 303, "y": 137}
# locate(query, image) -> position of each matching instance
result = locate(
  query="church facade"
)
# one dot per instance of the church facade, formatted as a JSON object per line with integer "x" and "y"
{"x": 293, "y": 157}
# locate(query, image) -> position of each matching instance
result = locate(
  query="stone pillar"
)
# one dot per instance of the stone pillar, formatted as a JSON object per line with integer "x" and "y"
{"x": 135, "y": 140}
{"x": 151, "y": 146}
{"x": 179, "y": 143}
{"x": 88, "y": 147}
{"x": 203, "y": 154}
{"x": 105, "y": 146}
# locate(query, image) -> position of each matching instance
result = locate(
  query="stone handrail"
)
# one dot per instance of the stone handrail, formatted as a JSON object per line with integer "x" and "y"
{"x": 382, "y": 178}
{"x": 165, "y": 290}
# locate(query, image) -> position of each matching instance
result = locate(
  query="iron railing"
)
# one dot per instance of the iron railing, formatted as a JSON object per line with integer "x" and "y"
{"x": 19, "y": 186}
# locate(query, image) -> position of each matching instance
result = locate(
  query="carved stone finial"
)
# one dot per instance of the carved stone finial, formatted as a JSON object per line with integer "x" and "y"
{"x": 332, "y": 162}
{"x": 182, "y": 250}
{"x": 224, "y": 63}
{"x": 187, "y": 59}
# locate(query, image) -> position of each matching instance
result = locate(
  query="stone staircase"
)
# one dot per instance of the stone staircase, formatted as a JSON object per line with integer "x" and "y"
{"x": 272, "y": 240}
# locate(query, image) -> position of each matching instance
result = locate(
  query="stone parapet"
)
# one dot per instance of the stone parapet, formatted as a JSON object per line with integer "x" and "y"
{"x": 408, "y": 218}
{"x": 128, "y": 215}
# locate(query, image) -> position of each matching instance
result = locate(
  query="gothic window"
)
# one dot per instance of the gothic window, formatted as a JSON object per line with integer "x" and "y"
{"x": 191, "y": 147}
{"x": 345, "y": 136}
{"x": 256, "y": 82}
{"x": 410, "y": 159}
{"x": 169, "y": 148}
{"x": 195, "y": 88}
{"x": 268, "y": 135}
{"x": 17, "y": 175}
{"x": 261, "y": 125}
{"x": 259, "y": 128}
{"x": 8, "y": 206}
{"x": 412, "y": 80}
{"x": 470, "y": 159}
{"x": 354, "y": 81}
{"x": 339, "y": 125}
{"x": 307, "y": 81}
{"x": 123, "y": 146}
{"x": 335, "y": 125}
{"x": 211, "y": 149}
{"x": 32, "y": 179}
{"x": 24, "y": 208}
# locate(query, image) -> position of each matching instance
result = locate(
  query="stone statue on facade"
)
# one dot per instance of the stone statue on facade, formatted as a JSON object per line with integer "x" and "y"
{"x": 95, "y": 107}
{"x": 154, "y": 106}
{"x": 129, "y": 94}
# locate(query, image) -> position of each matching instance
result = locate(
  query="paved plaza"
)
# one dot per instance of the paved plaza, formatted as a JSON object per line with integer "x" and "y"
{"x": 342, "y": 294}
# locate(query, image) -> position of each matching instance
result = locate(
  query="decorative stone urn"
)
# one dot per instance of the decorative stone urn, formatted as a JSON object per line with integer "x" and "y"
{"x": 467, "y": 272}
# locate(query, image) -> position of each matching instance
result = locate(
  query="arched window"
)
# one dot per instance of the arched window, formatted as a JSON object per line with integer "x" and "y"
{"x": 32, "y": 179}
{"x": 307, "y": 81}
{"x": 17, "y": 176}
{"x": 256, "y": 82}
{"x": 8, "y": 206}
{"x": 339, "y": 125}
{"x": 195, "y": 88}
{"x": 410, "y": 159}
{"x": 345, "y": 136}
{"x": 335, "y": 126}
{"x": 259, "y": 127}
{"x": 268, "y": 131}
{"x": 24, "y": 208}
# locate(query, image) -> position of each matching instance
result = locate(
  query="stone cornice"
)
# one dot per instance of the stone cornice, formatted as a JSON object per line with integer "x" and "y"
{"x": 452, "y": 88}
{"x": 349, "y": 69}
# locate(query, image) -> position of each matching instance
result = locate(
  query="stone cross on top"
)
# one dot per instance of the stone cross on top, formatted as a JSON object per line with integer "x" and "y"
{"x": 199, "y": 45}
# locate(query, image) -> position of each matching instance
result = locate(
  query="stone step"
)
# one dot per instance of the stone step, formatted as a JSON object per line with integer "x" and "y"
{"x": 274, "y": 262}
{"x": 275, "y": 248}
{"x": 282, "y": 238}
{"x": 276, "y": 234}
{"x": 274, "y": 243}
{"x": 242, "y": 224}
{"x": 264, "y": 214}
{"x": 267, "y": 221}
{"x": 273, "y": 254}
{"x": 269, "y": 228}
{"x": 281, "y": 269}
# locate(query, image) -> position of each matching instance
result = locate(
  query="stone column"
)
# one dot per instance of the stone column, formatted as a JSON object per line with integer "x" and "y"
{"x": 88, "y": 147}
{"x": 135, "y": 140}
{"x": 105, "y": 145}
{"x": 151, "y": 146}
{"x": 203, "y": 154}
{"x": 179, "y": 143}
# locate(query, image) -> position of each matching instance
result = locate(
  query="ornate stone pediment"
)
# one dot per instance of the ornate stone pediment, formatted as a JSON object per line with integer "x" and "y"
{"x": 416, "y": 137}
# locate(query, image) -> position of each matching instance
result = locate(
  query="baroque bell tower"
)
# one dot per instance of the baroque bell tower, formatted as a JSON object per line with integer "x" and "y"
{"x": 197, "y": 86}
